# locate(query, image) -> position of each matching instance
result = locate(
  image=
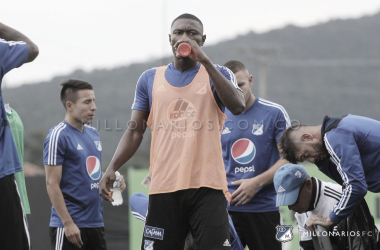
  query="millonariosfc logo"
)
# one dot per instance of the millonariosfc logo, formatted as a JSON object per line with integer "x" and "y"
{"x": 284, "y": 233}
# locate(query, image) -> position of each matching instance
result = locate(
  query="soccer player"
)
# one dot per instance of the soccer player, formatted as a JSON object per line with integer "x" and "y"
{"x": 251, "y": 158}
{"x": 308, "y": 196}
{"x": 72, "y": 158}
{"x": 182, "y": 104}
{"x": 15, "y": 50}
{"x": 345, "y": 148}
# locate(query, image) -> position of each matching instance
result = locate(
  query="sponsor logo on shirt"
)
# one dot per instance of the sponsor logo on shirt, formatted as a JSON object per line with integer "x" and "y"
{"x": 79, "y": 147}
{"x": 284, "y": 233}
{"x": 243, "y": 151}
{"x": 226, "y": 130}
{"x": 93, "y": 166}
{"x": 154, "y": 232}
{"x": 161, "y": 88}
{"x": 244, "y": 169}
{"x": 181, "y": 109}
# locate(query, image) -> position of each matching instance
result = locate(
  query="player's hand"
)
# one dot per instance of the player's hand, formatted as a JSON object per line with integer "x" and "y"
{"x": 106, "y": 183}
{"x": 196, "y": 54}
{"x": 72, "y": 233}
{"x": 316, "y": 219}
{"x": 121, "y": 185}
{"x": 245, "y": 192}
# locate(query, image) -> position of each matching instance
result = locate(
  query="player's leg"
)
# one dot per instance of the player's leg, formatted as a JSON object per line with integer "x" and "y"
{"x": 94, "y": 238}
{"x": 209, "y": 219}
{"x": 166, "y": 225}
{"x": 59, "y": 241}
{"x": 261, "y": 230}
{"x": 14, "y": 232}
{"x": 240, "y": 223}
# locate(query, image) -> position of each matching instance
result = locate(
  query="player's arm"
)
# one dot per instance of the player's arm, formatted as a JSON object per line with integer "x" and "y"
{"x": 346, "y": 156}
{"x": 9, "y": 34}
{"x": 231, "y": 97}
{"x": 249, "y": 187}
{"x": 127, "y": 147}
{"x": 53, "y": 179}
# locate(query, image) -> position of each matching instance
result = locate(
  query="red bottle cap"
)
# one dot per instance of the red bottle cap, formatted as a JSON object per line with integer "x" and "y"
{"x": 184, "y": 49}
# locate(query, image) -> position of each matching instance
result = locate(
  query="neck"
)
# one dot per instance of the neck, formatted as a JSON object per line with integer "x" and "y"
{"x": 250, "y": 102}
{"x": 313, "y": 194}
{"x": 183, "y": 64}
{"x": 74, "y": 122}
{"x": 317, "y": 132}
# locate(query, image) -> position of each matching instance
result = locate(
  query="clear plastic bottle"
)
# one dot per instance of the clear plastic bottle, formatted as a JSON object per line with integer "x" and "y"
{"x": 116, "y": 196}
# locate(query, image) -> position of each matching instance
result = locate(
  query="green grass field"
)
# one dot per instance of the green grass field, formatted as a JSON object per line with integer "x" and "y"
{"x": 136, "y": 176}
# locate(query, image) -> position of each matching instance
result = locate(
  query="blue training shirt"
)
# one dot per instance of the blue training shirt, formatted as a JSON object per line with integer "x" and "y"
{"x": 176, "y": 78}
{"x": 139, "y": 207}
{"x": 79, "y": 153}
{"x": 354, "y": 147}
{"x": 249, "y": 144}
{"x": 12, "y": 55}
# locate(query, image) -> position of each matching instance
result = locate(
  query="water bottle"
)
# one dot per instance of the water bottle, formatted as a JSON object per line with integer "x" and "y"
{"x": 184, "y": 49}
{"x": 117, "y": 198}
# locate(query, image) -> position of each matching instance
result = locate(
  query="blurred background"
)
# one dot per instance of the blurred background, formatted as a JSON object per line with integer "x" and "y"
{"x": 313, "y": 58}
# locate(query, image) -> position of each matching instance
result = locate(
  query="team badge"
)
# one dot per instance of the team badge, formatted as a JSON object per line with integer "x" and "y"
{"x": 257, "y": 128}
{"x": 94, "y": 168}
{"x": 243, "y": 151}
{"x": 201, "y": 88}
{"x": 98, "y": 145}
{"x": 148, "y": 245}
{"x": 284, "y": 233}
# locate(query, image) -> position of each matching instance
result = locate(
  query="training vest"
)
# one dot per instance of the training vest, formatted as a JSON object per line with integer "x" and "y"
{"x": 186, "y": 127}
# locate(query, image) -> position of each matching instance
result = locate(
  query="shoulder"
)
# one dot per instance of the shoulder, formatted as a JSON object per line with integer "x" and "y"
{"x": 274, "y": 108}
{"x": 147, "y": 74}
{"x": 57, "y": 136}
{"x": 58, "y": 130}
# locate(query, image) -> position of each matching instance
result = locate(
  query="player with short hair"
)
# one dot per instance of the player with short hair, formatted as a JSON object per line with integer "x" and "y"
{"x": 345, "y": 148}
{"x": 72, "y": 158}
{"x": 251, "y": 157}
{"x": 182, "y": 104}
{"x": 15, "y": 50}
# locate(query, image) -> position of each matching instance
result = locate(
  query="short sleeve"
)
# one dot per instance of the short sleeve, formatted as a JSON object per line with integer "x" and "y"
{"x": 230, "y": 76}
{"x": 54, "y": 147}
{"x": 12, "y": 54}
{"x": 143, "y": 92}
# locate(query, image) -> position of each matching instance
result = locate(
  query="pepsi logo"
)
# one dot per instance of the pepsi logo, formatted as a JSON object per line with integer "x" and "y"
{"x": 243, "y": 151}
{"x": 93, "y": 166}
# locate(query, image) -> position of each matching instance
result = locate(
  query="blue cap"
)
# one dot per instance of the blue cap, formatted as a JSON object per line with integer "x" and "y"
{"x": 287, "y": 181}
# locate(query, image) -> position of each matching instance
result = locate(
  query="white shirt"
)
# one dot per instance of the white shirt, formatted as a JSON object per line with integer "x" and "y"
{"x": 327, "y": 194}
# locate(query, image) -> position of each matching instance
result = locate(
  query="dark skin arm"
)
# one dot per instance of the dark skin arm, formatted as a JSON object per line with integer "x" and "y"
{"x": 231, "y": 97}
{"x": 127, "y": 147}
{"x": 9, "y": 34}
